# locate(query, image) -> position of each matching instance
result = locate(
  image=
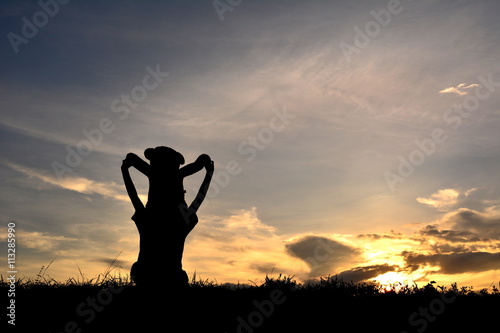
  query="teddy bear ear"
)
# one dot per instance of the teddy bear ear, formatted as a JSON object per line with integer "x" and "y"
{"x": 180, "y": 158}
{"x": 149, "y": 153}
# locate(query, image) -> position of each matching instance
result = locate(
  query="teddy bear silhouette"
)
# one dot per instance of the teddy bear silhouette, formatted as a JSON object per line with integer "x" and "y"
{"x": 166, "y": 220}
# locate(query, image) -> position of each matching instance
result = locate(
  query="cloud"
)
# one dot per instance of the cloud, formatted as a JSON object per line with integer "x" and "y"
{"x": 446, "y": 199}
{"x": 454, "y": 236}
{"x": 77, "y": 184}
{"x": 466, "y": 225}
{"x": 469, "y": 243}
{"x": 241, "y": 246}
{"x": 442, "y": 199}
{"x": 460, "y": 89}
{"x": 265, "y": 268}
{"x": 455, "y": 263}
{"x": 392, "y": 235}
{"x": 243, "y": 223}
{"x": 443, "y": 248}
{"x": 476, "y": 222}
{"x": 463, "y": 224}
{"x": 364, "y": 273}
{"x": 111, "y": 262}
{"x": 43, "y": 241}
{"x": 462, "y": 240}
{"x": 322, "y": 255}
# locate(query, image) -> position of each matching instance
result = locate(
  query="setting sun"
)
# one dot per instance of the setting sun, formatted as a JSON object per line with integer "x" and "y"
{"x": 393, "y": 280}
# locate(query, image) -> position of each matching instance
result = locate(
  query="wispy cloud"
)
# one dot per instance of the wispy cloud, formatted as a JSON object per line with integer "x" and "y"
{"x": 77, "y": 184}
{"x": 461, "y": 89}
{"x": 43, "y": 241}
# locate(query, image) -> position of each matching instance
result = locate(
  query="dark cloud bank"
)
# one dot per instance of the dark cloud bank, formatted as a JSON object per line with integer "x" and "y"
{"x": 470, "y": 245}
{"x": 324, "y": 255}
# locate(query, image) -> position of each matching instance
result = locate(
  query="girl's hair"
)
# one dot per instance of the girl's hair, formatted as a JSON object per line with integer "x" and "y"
{"x": 164, "y": 154}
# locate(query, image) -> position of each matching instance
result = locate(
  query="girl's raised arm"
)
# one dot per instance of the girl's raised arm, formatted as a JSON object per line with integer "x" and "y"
{"x": 196, "y": 166}
{"x": 138, "y": 163}
{"x": 202, "y": 192}
{"x": 129, "y": 185}
{"x": 190, "y": 217}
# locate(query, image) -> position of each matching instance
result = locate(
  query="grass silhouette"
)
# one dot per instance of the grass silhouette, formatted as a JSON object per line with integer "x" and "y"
{"x": 110, "y": 302}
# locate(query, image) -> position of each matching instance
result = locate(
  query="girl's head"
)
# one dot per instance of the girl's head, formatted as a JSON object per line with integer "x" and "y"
{"x": 164, "y": 157}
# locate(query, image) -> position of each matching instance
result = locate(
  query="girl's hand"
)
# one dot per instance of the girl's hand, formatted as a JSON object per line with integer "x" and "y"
{"x": 126, "y": 164}
{"x": 203, "y": 159}
{"x": 210, "y": 166}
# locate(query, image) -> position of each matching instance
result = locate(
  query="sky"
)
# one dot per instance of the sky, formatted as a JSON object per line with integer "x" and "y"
{"x": 350, "y": 138}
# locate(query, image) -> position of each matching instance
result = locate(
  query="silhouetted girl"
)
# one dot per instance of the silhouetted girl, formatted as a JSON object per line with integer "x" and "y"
{"x": 166, "y": 220}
